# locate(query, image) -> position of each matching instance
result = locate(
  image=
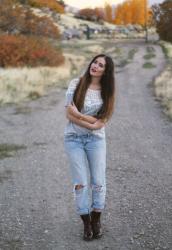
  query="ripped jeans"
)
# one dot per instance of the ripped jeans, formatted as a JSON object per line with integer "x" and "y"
{"x": 87, "y": 152}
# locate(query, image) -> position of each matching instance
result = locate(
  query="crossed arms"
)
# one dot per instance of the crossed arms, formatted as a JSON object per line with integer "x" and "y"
{"x": 86, "y": 121}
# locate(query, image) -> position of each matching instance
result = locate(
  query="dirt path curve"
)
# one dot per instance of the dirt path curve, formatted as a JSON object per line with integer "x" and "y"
{"x": 36, "y": 203}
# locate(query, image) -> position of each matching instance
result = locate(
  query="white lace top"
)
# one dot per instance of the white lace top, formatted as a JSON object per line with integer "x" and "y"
{"x": 92, "y": 105}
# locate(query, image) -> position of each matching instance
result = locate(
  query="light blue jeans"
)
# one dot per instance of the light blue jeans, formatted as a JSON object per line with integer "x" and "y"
{"x": 87, "y": 152}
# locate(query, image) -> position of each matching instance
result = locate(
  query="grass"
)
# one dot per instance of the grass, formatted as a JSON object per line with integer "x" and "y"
{"x": 168, "y": 108}
{"x": 23, "y": 110}
{"x": 17, "y": 84}
{"x": 122, "y": 63}
{"x": 150, "y": 49}
{"x": 148, "y": 65}
{"x": 167, "y": 50}
{"x": 8, "y": 150}
{"x": 149, "y": 56}
{"x": 72, "y": 46}
{"x": 123, "y": 58}
{"x": 118, "y": 51}
{"x": 33, "y": 95}
{"x": 163, "y": 90}
{"x": 163, "y": 83}
{"x": 131, "y": 53}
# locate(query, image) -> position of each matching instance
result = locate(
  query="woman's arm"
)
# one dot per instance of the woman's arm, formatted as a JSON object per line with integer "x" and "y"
{"x": 72, "y": 109}
{"x": 97, "y": 125}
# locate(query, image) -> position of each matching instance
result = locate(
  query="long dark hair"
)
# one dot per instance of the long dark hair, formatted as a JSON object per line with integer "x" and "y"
{"x": 107, "y": 83}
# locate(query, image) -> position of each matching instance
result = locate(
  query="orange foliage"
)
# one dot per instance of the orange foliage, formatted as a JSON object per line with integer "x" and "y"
{"x": 129, "y": 12}
{"x": 19, "y": 50}
{"x": 51, "y": 4}
{"x": 19, "y": 19}
{"x": 122, "y": 13}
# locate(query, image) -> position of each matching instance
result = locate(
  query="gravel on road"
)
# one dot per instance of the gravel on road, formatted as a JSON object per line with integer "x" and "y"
{"x": 37, "y": 209}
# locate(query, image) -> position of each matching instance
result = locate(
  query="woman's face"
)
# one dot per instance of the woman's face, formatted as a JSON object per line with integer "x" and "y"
{"x": 97, "y": 67}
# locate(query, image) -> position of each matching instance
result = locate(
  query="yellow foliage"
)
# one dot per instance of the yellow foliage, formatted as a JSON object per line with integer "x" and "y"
{"x": 129, "y": 12}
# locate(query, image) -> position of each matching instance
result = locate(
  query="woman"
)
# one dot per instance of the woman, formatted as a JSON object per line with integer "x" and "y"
{"x": 89, "y": 105}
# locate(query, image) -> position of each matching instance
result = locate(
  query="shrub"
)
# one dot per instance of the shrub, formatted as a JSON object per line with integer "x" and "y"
{"x": 51, "y": 4}
{"x": 19, "y": 50}
{"x": 91, "y": 14}
{"x": 19, "y": 19}
{"x": 41, "y": 26}
{"x": 162, "y": 14}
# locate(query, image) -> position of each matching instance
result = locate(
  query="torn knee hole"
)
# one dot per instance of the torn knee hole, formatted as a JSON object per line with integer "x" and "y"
{"x": 97, "y": 188}
{"x": 77, "y": 187}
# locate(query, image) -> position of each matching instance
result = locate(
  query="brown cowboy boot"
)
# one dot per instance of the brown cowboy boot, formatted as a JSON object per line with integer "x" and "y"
{"x": 88, "y": 233}
{"x": 96, "y": 225}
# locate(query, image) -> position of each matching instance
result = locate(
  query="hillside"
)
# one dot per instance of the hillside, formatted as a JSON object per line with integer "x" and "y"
{"x": 68, "y": 20}
{"x": 19, "y": 83}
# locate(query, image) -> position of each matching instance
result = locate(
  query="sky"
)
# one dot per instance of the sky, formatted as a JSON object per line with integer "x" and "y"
{"x": 97, "y": 3}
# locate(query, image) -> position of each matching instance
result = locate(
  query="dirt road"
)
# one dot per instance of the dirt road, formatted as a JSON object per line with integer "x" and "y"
{"x": 36, "y": 202}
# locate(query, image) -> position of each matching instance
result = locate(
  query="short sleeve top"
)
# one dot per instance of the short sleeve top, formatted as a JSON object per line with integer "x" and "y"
{"x": 92, "y": 104}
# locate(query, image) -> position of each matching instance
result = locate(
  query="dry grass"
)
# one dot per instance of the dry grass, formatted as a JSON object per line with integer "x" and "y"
{"x": 17, "y": 84}
{"x": 8, "y": 150}
{"x": 163, "y": 83}
{"x": 96, "y": 49}
{"x": 167, "y": 48}
{"x": 163, "y": 89}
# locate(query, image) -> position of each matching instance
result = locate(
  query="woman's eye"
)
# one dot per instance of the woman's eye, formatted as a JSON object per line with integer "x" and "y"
{"x": 100, "y": 64}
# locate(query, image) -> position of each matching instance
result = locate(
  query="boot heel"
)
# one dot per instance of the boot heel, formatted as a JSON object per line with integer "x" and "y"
{"x": 88, "y": 233}
{"x": 96, "y": 225}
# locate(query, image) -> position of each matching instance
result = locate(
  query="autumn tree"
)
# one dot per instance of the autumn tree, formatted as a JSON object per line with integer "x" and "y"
{"x": 129, "y": 12}
{"x": 99, "y": 12}
{"x": 21, "y": 20}
{"x": 163, "y": 19}
{"x": 108, "y": 13}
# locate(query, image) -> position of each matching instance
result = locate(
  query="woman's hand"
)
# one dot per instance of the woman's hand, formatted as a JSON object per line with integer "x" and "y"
{"x": 98, "y": 124}
{"x": 91, "y": 122}
{"x": 92, "y": 126}
{"x": 73, "y": 110}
